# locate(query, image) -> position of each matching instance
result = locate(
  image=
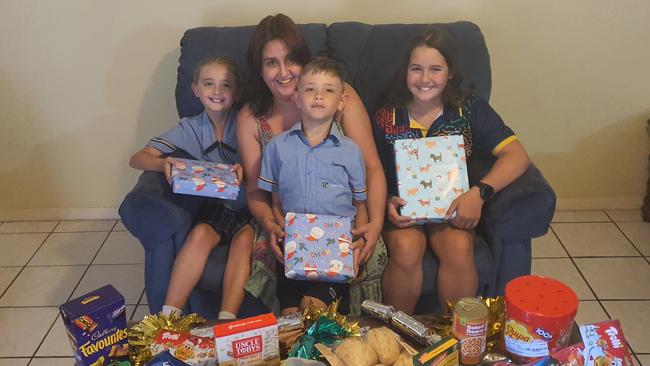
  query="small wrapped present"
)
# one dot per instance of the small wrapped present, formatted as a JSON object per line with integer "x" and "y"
{"x": 318, "y": 248}
{"x": 202, "y": 178}
{"x": 431, "y": 173}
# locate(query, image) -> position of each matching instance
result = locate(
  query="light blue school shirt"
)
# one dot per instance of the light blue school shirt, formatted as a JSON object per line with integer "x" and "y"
{"x": 195, "y": 136}
{"x": 320, "y": 180}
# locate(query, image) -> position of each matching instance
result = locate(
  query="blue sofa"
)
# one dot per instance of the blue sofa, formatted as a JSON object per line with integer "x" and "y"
{"x": 369, "y": 53}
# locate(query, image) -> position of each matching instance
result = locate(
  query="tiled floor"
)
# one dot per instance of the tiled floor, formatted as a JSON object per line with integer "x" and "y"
{"x": 602, "y": 255}
{"x": 44, "y": 264}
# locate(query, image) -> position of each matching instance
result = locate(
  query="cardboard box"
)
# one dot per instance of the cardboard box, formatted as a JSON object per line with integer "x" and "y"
{"x": 317, "y": 248}
{"x": 250, "y": 341}
{"x": 202, "y": 178}
{"x": 442, "y": 353}
{"x": 431, "y": 173}
{"x": 96, "y": 327}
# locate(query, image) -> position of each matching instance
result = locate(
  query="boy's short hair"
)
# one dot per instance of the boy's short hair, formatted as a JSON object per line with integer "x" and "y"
{"x": 325, "y": 65}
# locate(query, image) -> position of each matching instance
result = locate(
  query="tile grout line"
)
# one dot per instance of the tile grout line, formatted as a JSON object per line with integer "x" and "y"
{"x": 584, "y": 278}
{"x": 138, "y": 305}
{"x": 70, "y": 296}
{"x": 629, "y": 240}
{"x": 29, "y": 260}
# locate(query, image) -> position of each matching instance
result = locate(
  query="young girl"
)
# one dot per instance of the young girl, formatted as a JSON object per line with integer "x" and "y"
{"x": 209, "y": 136}
{"x": 427, "y": 101}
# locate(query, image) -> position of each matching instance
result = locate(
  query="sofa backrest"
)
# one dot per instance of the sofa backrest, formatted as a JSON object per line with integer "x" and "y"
{"x": 369, "y": 54}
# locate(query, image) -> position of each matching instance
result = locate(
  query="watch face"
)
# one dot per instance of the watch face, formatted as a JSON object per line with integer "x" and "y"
{"x": 486, "y": 191}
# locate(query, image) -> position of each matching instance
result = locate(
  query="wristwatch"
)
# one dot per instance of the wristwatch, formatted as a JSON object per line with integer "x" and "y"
{"x": 486, "y": 190}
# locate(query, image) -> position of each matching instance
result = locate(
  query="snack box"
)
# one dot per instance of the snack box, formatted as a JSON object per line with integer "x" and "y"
{"x": 441, "y": 353}
{"x": 250, "y": 341}
{"x": 191, "y": 349}
{"x": 317, "y": 248}
{"x": 431, "y": 173}
{"x": 202, "y": 178}
{"x": 96, "y": 327}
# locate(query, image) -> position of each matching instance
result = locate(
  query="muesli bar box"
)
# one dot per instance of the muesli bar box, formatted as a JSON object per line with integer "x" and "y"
{"x": 250, "y": 341}
{"x": 202, "y": 178}
{"x": 96, "y": 327}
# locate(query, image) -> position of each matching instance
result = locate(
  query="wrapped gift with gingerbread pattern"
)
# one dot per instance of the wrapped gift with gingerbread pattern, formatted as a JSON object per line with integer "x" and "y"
{"x": 318, "y": 248}
{"x": 431, "y": 173}
{"x": 203, "y": 178}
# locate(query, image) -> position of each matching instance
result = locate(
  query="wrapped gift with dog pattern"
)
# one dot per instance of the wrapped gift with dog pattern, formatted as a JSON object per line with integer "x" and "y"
{"x": 431, "y": 173}
{"x": 318, "y": 248}
{"x": 202, "y": 178}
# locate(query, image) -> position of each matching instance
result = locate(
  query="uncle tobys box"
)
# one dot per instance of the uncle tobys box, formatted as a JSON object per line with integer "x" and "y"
{"x": 96, "y": 327}
{"x": 250, "y": 341}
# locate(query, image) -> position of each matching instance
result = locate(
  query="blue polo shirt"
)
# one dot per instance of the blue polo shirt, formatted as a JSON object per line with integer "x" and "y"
{"x": 323, "y": 179}
{"x": 195, "y": 136}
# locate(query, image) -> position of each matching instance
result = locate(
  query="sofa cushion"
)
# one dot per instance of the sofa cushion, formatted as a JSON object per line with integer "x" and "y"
{"x": 199, "y": 43}
{"x": 371, "y": 54}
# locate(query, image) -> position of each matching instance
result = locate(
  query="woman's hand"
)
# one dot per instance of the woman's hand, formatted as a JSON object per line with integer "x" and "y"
{"x": 276, "y": 237}
{"x": 468, "y": 209}
{"x": 394, "y": 217}
{"x": 367, "y": 236}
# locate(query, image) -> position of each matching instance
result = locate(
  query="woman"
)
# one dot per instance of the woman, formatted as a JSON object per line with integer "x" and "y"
{"x": 276, "y": 54}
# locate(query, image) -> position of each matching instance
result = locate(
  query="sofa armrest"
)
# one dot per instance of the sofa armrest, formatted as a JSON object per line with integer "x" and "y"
{"x": 152, "y": 213}
{"x": 523, "y": 209}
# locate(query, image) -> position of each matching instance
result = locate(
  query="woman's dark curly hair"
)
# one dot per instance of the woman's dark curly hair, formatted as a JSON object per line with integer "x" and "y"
{"x": 273, "y": 27}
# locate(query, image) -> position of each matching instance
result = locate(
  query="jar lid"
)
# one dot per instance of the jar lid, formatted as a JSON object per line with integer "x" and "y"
{"x": 541, "y": 296}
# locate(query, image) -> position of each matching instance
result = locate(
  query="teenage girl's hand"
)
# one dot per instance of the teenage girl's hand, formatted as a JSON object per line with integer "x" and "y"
{"x": 239, "y": 171}
{"x": 468, "y": 209}
{"x": 276, "y": 237}
{"x": 395, "y": 218}
{"x": 167, "y": 167}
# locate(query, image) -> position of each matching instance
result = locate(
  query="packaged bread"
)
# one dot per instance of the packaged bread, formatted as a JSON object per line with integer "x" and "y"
{"x": 383, "y": 342}
{"x": 404, "y": 359}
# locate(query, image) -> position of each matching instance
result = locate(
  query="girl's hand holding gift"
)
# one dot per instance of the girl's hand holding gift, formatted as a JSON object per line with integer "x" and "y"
{"x": 239, "y": 172}
{"x": 468, "y": 209}
{"x": 394, "y": 216}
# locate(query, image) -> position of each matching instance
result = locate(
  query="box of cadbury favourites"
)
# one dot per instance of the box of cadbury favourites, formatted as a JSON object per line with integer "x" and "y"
{"x": 250, "y": 341}
{"x": 96, "y": 327}
{"x": 431, "y": 173}
{"x": 318, "y": 248}
{"x": 202, "y": 178}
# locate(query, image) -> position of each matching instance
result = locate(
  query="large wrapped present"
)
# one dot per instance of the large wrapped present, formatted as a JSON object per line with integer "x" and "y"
{"x": 202, "y": 178}
{"x": 431, "y": 173}
{"x": 96, "y": 326}
{"x": 318, "y": 248}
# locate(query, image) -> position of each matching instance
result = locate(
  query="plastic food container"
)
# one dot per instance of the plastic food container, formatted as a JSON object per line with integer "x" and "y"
{"x": 539, "y": 317}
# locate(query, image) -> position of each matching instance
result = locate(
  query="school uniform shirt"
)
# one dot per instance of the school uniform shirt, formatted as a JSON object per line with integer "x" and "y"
{"x": 484, "y": 132}
{"x": 323, "y": 179}
{"x": 195, "y": 136}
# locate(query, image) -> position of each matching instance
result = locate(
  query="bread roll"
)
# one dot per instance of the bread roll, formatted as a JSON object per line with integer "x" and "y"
{"x": 404, "y": 360}
{"x": 383, "y": 341}
{"x": 356, "y": 353}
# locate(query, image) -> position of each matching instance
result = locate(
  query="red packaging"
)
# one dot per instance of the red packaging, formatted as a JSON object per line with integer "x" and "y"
{"x": 539, "y": 317}
{"x": 605, "y": 344}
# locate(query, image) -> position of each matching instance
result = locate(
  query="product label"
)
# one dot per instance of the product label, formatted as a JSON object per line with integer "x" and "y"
{"x": 521, "y": 343}
{"x": 247, "y": 346}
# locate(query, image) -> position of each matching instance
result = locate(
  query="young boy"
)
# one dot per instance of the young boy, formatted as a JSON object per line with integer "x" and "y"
{"x": 313, "y": 168}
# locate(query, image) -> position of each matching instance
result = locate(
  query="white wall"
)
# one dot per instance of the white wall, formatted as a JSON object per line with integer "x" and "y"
{"x": 83, "y": 84}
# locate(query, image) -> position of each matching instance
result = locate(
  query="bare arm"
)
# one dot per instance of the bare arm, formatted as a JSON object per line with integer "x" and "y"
{"x": 150, "y": 159}
{"x": 360, "y": 221}
{"x": 356, "y": 125}
{"x": 512, "y": 161}
{"x": 259, "y": 201}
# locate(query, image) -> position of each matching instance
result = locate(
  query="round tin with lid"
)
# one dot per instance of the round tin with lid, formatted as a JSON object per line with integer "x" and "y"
{"x": 539, "y": 316}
